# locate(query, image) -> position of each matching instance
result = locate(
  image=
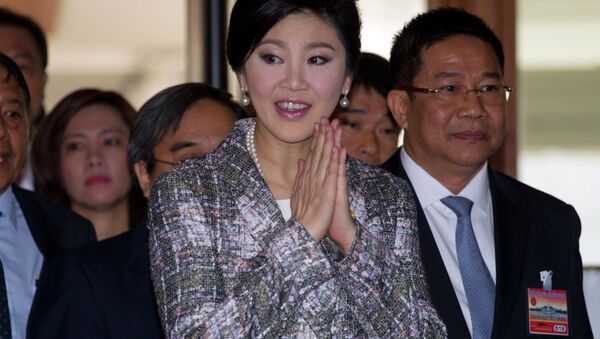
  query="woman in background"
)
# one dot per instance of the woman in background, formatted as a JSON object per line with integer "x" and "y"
{"x": 274, "y": 234}
{"x": 80, "y": 159}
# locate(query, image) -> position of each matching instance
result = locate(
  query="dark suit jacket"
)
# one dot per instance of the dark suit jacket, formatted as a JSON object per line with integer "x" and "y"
{"x": 54, "y": 229}
{"x": 533, "y": 231}
{"x": 100, "y": 291}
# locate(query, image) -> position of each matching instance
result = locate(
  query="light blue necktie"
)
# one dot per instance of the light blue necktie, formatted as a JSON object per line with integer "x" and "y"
{"x": 478, "y": 283}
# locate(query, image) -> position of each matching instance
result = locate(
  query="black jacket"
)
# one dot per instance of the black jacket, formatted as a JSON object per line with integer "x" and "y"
{"x": 533, "y": 231}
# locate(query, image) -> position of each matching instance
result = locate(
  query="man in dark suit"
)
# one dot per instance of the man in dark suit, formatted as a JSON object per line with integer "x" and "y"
{"x": 33, "y": 229}
{"x": 487, "y": 240}
{"x": 105, "y": 291}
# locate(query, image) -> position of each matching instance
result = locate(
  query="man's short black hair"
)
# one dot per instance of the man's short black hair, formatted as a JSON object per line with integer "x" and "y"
{"x": 429, "y": 28}
{"x": 13, "y": 72}
{"x": 373, "y": 73}
{"x": 164, "y": 112}
{"x": 12, "y": 19}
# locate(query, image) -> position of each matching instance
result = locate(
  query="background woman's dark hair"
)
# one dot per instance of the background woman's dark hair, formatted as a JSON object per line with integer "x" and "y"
{"x": 164, "y": 111}
{"x": 45, "y": 152}
{"x": 430, "y": 27}
{"x": 251, "y": 20}
{"x": 14, "y": 72}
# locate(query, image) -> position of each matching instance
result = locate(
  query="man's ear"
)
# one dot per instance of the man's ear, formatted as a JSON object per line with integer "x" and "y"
{"x": 143, "y": 177}
{"x": 399, "y": 102}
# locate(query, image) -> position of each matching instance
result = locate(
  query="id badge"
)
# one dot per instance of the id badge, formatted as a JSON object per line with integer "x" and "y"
{"x": 548, "y": 312}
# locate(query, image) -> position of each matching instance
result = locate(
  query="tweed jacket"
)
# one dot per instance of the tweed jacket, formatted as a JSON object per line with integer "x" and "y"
{"x": 225, "y": 263}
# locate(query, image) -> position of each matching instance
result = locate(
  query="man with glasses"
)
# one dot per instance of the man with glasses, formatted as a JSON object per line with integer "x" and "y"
{"x": 501, "y": 258}
{"x": 104, "y": 291}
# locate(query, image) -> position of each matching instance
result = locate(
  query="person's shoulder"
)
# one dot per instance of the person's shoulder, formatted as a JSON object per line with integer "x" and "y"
{"x": 69, "y": 228}
{"x": 528, "y": 195}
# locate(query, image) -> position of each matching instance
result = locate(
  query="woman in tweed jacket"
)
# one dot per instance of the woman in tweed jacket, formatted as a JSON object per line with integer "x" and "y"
{"x": 275, "y": 234}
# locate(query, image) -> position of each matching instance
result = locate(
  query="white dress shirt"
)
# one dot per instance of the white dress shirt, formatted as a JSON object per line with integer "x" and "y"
{"x": 22, "y": 261}
{"x": 442, "y": 221}
{"x": 285, "y": 207}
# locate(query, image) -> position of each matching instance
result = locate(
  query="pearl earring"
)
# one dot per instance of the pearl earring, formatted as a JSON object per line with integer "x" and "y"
{"x": 245, "y": 101}
{"x": 344, "y": 102}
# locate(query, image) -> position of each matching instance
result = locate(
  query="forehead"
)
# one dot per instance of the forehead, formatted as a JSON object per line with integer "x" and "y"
{"x": 9, "y": 86}
{"x": 459, "y": 53}
{"x": 96, "y": 117}
{"x": 15, "y": 41}
{"x": 304, "y": 27}
{"x": 202, "y": 116}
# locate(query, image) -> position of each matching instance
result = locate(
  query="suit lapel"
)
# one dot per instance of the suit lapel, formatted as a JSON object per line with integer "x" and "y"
{"x": 440, "y": 288}
{"x": 511, "y": 236}
{"x": 40, "y": 230}
{"x": 258, "y": 213}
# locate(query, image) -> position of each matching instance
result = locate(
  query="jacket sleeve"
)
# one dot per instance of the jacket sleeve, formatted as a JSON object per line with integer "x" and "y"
{"x": 194, "y": 296}
{"x": 580, "y": 324}
{"x": 384, "y": 275}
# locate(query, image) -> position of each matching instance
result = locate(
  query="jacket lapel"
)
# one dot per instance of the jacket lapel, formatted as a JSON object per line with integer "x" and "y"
{"x": 511, "y": 236}
{"x": 41, "y": 231}
{"x": 258, "y": 213}
{"x": 440, "y": 288}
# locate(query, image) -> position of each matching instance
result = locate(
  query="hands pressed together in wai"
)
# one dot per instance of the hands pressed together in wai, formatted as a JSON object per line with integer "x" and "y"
{"x": 320, "y": 194}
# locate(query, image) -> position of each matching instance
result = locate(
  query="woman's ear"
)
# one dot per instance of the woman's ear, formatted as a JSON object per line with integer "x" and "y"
{"x": 347, "y": 84}
{"x": 399, "y": 103}
{"x": 241, "y": 77}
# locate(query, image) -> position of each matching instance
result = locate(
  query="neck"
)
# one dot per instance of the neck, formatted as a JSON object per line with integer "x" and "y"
{"x": 279, "y": 160}
{"x": 454, "y": 177}
{"x": 107, "y": 222}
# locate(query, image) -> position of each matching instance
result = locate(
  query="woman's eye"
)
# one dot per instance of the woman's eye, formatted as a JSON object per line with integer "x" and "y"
{"x": 271, "y": 59}
{"x": 317, "y": 60}
{"x": 73, "y": 146}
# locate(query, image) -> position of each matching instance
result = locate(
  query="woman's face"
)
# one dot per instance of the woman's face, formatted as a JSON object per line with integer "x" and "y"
{"x": 93, "y": 158}
{"x": 296, "y": 75}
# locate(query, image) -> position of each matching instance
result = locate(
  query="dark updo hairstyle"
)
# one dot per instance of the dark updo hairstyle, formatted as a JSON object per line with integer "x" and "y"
{"x": 251, "y": 20}
{"x": 45, "y": 151}
{"x": 429, "y": 28}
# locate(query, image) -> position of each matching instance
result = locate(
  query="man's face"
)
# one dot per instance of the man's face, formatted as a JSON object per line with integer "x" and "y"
{"x": 452, "y": 139}
{"x": 13, "y": 130}
{"x": 203, "y": 127}
{"x": 369, "y": 134}
{"x": 20, "y": 46}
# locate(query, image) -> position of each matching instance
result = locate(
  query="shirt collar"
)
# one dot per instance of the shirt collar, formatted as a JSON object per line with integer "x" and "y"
{"x": 429, "y": 190}
{"x": 7, "y": 201}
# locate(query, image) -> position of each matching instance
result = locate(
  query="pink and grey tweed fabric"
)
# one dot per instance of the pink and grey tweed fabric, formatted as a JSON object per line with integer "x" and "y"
{"x": 226, "y": 264}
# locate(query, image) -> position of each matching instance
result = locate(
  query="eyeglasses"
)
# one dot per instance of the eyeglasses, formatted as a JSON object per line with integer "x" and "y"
{"x": 169, "y": 162}
{"x": 489, "y": 94}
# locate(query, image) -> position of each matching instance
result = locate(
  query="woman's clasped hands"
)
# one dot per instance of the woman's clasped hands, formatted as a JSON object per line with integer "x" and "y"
{"x": 320, "y": 195}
